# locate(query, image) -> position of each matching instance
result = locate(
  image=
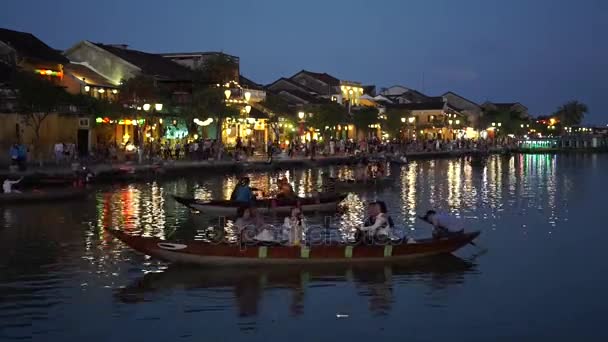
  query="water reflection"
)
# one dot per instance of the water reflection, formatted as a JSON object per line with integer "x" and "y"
{"x": 53, "y": 257}
{"x": 373, "y": 282}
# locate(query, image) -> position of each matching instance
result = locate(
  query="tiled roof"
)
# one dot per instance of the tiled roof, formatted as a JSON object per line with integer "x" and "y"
{"x": 247, "y": 83}
{"x": 462, "y": 97}
{"x": 418, "y": 106}
{"x": 149, "y": 63}
{"x": 91, "y": 77}
{"x": 296, "y": 84}
{"x": 323, "y": 77}
{"x": 28, "y": 46}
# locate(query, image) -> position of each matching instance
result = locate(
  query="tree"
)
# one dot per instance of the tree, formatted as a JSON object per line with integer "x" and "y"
{"x": 510, "y": 121}
{"x": 139, "y": 90}
{"x": 209, "y": 101}
{"x": 219, "y": 69}
{"x": 37, "y": 99}
{"x": 275, "y": 106}
{"x": 393, "y": 124}
{"x": 326, "y": 115}
{"x": 572, "y": 113}
{"x": 364, "y": 117}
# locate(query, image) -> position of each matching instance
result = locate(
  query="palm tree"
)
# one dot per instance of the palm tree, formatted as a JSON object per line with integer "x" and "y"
{"x": 572, "y": 113}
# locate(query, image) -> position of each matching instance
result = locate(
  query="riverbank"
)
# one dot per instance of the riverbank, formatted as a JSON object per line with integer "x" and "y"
{"x": 107, "y": 172}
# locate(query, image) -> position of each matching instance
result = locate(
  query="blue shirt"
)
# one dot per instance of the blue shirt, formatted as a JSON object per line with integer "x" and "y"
{"x": 243, "y": 194}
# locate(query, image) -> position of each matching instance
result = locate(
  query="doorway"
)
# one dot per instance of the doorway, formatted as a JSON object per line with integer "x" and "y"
{"x": 83, "y": 142}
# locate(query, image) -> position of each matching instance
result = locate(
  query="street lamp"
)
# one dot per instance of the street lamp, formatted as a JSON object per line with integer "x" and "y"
{"x": 450, "y": 122}
{"x": 458, "y": 122}
{"x": 493, "y": 124}
{"x": 499, "y": 124}
{"x": 158, "y": 107}
{"x": 403, "y": 120}
{"x": 411, "y": 119}
{"x": 146, "y": 107}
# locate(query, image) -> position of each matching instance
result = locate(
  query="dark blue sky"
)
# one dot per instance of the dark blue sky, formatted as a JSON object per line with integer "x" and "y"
{"x": 538, "y": 52}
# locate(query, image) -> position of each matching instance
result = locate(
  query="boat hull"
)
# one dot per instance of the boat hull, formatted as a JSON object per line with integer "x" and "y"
{"x": 206, "y": 254}
{"x": 263, "y": 207}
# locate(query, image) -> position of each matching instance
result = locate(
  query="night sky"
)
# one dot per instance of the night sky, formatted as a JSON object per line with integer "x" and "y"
{"x": 537, "y": 52}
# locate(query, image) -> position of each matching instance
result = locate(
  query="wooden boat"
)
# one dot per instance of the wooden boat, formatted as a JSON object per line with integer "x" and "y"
{"x": 351, "y": 184}
{"x": 264, "y": 206}
{"x": 204, "y": 253}
{"x": 43, "y": 195}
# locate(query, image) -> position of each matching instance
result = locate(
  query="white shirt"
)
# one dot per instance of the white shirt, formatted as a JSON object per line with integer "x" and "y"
{"x": 293, "y": 231}
{"x": 380, "y": 226}
{"x": 7, "y": 186}
{"x": 447, "y": 221}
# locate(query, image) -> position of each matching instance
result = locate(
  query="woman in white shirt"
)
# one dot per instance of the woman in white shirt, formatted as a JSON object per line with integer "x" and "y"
{"x": 378, "y": 224}
{"x": 293, "y": 227}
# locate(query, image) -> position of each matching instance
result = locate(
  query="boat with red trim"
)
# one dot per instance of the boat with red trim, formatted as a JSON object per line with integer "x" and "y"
{"x": 206, "y": 253}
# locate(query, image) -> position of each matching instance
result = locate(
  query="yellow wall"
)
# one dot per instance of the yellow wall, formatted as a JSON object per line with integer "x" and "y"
{"x": 55, "y": 128}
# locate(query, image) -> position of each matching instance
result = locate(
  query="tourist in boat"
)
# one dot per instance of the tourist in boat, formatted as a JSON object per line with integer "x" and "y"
{"x": 286, "y": 192}
{"x": 248, "y": 223}
{"x": 243, "y": 193}
{"x": 293, "y": 226}
{"x": 444, "y": 225}
{"x": 377, "y": 225}
{"x": 7, "y": 186}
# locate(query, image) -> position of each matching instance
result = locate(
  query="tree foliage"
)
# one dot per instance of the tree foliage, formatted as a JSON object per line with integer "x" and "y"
{"x": 572, "y": 113}
{"x": 219, "y": 69}
{"x": 364, "y": 117}
{"x": 393, "y": 124}
{"x": 510, "y": 121}
{"x": 140, "y": 89}
{"x": 37, "y": 98}
{"x": 326, "y": 115}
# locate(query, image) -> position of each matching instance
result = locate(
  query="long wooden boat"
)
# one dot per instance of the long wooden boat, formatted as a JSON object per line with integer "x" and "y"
{"x": 43, "y": 195}
{"x": 264, "y": 206}
{"x": 204, "y": 253}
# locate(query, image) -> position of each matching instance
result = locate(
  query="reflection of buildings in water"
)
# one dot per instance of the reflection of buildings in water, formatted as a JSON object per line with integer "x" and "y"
{"x": 134, "y": 210}
{"x": 408, "y": 193}
{"x": 454, "y": 184}
{"x": 375, "y": 282}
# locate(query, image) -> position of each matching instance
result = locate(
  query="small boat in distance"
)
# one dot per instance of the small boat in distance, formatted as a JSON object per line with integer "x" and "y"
{"x": 229, "y": 208}
{"x": 223, "y": 254}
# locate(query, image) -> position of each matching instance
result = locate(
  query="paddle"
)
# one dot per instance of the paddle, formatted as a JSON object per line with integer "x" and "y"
{"x": 470, "y": 242}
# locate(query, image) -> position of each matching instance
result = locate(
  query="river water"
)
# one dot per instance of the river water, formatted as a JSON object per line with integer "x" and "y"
{"x": 543, "y": 276}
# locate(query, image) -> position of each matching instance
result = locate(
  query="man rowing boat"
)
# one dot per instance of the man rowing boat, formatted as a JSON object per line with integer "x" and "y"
{"x": 7, "y": 186}
{"x": 444, "y": 225}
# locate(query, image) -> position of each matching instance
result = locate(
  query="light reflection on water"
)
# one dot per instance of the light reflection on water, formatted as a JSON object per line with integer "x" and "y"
{"x": 58, "y": 265}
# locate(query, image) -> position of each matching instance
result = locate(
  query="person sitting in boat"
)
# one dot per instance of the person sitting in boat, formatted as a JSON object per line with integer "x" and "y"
{"x": 444, "y": 225}
{"x": 293, "y": 226}
{"x": 377, "y": 225}
{"x": 7, "y": 186}
{"x": 286, "y": 191}
{"x": 243, "y": 193}
{"x": 361, "y": 173}
{"x": 248, "y": 223}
